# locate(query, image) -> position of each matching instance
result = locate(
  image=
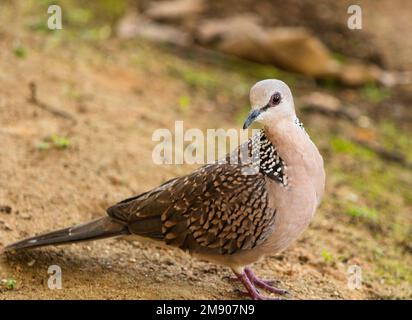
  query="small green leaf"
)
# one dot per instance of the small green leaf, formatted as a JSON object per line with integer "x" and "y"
{"x": 43, "y": 145}
{"x": 184, "y": 102}
{"x": 9, "y": 284}
{"x": 362, "y": 212}
{"x": 60, "y": 142}
{"x": 327, "y": 256}
{"x": 20, "y": 51}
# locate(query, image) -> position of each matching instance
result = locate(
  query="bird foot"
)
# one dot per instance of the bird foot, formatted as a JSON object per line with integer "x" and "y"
{"x": 250, "y": 281}
{"x": 264, "y": 284}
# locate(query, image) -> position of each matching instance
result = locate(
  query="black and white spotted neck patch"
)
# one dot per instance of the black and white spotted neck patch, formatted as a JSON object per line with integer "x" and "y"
{"x": 270, "y": 162}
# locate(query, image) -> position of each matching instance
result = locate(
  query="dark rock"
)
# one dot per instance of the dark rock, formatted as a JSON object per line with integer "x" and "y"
{"x": 6, "y": 209}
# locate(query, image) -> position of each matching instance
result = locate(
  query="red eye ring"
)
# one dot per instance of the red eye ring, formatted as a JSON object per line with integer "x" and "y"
{"x": 275, "y": 99}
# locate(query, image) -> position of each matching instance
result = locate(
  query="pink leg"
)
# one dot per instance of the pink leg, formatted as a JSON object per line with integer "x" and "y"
{"x": 252, "y": 292}
{"x": 267, "y": 285}
{"x": 250, "y": 281}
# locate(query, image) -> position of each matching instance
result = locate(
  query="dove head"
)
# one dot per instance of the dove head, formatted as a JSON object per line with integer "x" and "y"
{"x": 271, "y": 101}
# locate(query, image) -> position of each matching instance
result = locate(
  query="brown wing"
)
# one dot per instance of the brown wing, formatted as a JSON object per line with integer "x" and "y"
{"x": 216, "y": 209}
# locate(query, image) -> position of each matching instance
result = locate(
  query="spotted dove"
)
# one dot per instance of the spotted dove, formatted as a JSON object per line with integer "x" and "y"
{"x": 231, "y": 212}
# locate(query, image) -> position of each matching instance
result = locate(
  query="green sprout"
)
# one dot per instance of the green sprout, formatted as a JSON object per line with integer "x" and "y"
{"x": 54, "y": 141}
{"x": 43, "y": 145}
{"x": 184, "y": 102}
{"x": 9, "y": 284}
{"x": 19, "y": 51}
{"x": 362, "y": 212}
{"x": 60, "y": 142}
{"x": 327, "y": 256}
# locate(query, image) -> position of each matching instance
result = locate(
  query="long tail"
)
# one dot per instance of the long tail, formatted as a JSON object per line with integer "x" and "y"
{"x": 101, "y": 228}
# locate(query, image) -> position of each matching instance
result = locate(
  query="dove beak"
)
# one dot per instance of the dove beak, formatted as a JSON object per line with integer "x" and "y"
{"x": 251, "y": 117}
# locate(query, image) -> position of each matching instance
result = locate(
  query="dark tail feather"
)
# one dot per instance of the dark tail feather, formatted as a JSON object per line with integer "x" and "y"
{"x": 97, "y": 229}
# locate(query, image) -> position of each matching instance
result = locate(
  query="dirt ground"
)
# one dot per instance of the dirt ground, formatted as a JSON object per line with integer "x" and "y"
{"x": 117, "y": 94}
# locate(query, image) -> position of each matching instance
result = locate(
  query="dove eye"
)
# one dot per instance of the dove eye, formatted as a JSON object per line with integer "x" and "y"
{"x": 275, "y": 99}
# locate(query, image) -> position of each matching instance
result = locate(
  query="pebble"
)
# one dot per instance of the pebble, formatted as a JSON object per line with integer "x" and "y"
{"x": 168, "y": 261}
{"x": 6, "y": 226}
{"x": 5, "y": 209}
{"x": 25, "y": 216}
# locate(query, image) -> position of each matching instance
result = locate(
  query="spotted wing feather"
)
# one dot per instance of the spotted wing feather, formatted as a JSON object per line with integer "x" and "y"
{"x": 216, "y": 209}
